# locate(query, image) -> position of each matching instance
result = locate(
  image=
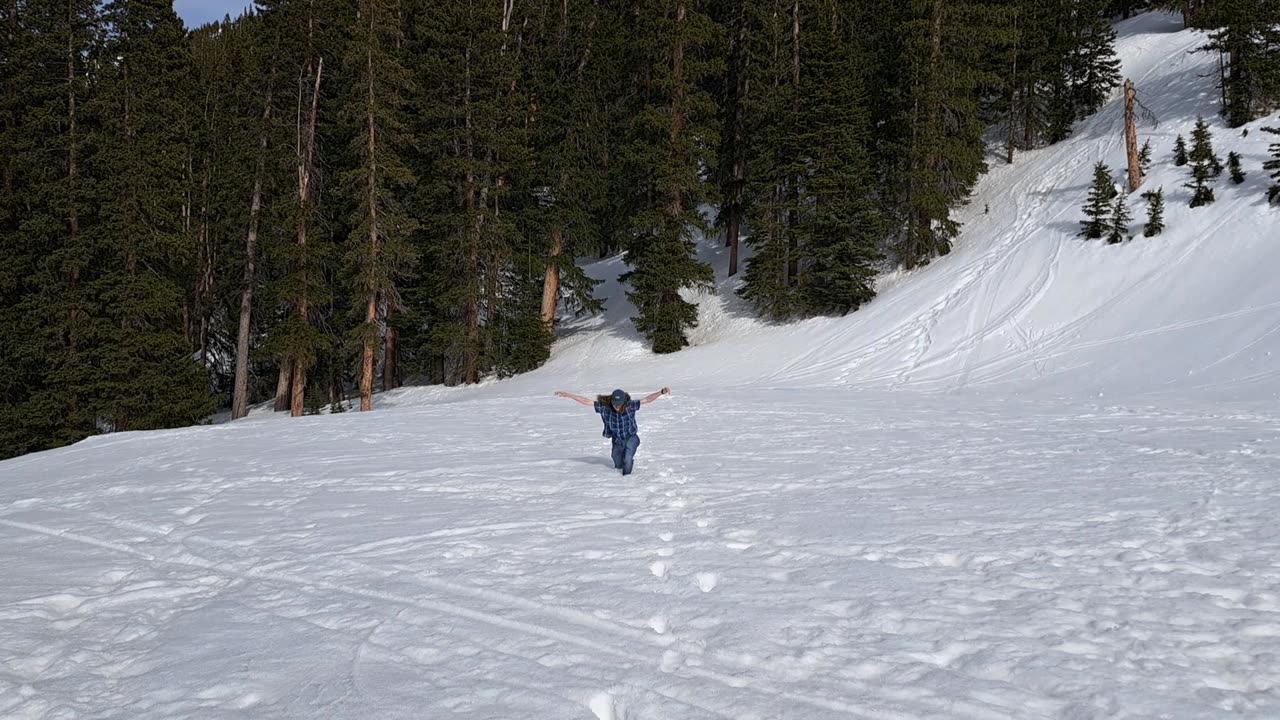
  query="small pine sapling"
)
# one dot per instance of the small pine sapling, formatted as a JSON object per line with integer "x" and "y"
{"x": 1144, "y": 158}
{"x": 1205, "y": 166}
{"x": 1180, "y": 152}
{"x": 1097, "y": 208}
{"x": 1118, "y": 226}
{"x": 1233, "y": 164}
{"x": 1202, "y": 148}
{"x": 1201, "y": 193}
{"x": 1155, "y": 212}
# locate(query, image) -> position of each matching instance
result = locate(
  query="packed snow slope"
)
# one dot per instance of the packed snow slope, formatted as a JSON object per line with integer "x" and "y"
{"x": 1036, "y": 479}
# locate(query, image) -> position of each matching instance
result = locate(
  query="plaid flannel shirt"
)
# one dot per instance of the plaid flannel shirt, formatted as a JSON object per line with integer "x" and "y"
{"x": 619, "y": 425}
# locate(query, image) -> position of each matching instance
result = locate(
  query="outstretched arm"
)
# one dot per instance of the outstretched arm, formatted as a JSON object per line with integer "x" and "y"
{"x": 575, "y": 398}
{"x": 655, "y": 396}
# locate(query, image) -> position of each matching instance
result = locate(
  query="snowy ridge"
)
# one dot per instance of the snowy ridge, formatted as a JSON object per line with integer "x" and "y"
{"x": 919, "y": 511}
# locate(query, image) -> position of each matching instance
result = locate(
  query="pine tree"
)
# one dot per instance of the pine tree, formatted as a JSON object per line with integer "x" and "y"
{"x": 1155, "y": 212}
{"x": 475, "y": 149}
{"x": 1180, "y": 152}
{"x": 1273, "y": 192}
{"x": 675, "y": 131}
{"x": 842, "y": 224}
{"x": 941, "y": 152}
{"x": 303, "y": 36}
{"x": 1027, "y": 72}
{"x": 1204, "y": 164}
{"x": 1201, "y": 176}
{"x": 1246, "y": 37}
{"x": 575, "y": 85}
{"x": 45, "y": 254}
{"x": 1233, "y": 164}
{"x": 226, "y": 162}
{"x": 139, "y": 354}
{"x": 1118, "y": 226}
{"x": 1098, "y": 207}
{"x": 379, "y": 253}
{"x": 252, "y": 161}
{"x": 817, "y": 222}
{"x": 733, "y": 149}
{"x": 775, "y": 157}
{"x": 1202, "y": 147}
{"x": 1094, "y": 63}
{"x": 1144, "y": 158}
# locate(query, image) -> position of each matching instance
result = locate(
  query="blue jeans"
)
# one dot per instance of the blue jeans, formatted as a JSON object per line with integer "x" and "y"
{"x": 624, "y": 453}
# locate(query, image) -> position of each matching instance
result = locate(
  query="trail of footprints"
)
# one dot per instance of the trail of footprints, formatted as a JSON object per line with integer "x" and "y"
{"x": 667, "y": 499}
{"x": 670, "y": 495}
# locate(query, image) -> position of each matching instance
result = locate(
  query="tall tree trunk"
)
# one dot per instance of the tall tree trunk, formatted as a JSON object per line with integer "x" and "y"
{"x": 371, "y": 303}
{"x": 1131, "y": 135}
{"x": 199, "y": 332}
{"x": 204, "y": 283}
{"x": 297, "y": 393}
{"x": 366, "y": 363}
{"x": 284, "y": 384}
{"x": 551, "y": 281}
{"x": 240, "y": 393}
{"x": 390, "y": 357}
{"x": 305, "y": 170}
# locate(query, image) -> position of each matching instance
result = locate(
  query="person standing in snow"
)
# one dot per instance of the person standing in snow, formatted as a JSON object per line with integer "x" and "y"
{"x": 619, "y": 413}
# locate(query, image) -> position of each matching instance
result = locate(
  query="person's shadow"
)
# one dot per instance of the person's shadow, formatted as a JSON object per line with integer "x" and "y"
{"x": 597, "y": 460}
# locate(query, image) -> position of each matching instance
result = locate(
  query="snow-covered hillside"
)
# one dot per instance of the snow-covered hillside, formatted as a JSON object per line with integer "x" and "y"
{"x": 1036, "y": 479}
{"x": 1022, "y": 305}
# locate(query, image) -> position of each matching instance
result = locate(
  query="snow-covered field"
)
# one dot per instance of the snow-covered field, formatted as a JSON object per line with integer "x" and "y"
{"x": 1037, "y": 479}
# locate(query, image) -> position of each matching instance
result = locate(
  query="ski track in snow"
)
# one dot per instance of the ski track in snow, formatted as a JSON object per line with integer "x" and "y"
{"x": 877, "y": 517}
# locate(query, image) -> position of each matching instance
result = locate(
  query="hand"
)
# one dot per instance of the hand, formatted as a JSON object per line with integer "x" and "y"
{"x": 665, "y": 391}
{"x": 561, "y": 393}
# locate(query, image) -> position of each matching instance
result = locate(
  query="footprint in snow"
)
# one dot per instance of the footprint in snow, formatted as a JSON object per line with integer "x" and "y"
{"x": 707, "y": 581}
{"x": 660, "y": 568}
{"x": 605, "y": 707}
{"x": 671, "y": 661}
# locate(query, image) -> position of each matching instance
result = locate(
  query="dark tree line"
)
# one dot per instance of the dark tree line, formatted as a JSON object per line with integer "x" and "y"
{"x": 325, "y": 197}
